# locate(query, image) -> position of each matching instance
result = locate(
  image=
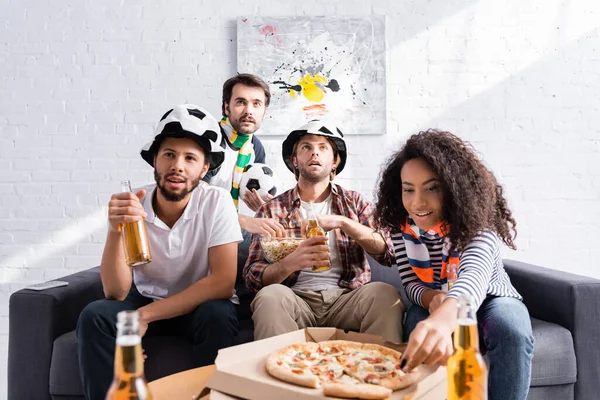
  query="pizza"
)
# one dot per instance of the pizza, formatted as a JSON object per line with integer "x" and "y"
{"x": 342, "y": 368}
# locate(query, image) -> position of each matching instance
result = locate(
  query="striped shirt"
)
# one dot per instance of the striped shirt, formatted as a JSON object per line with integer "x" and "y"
{"x": 481, "y": 272}
{"x": 285, "y": 208}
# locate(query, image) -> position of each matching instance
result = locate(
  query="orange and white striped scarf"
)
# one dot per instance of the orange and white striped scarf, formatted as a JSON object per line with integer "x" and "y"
{"x": 418, "y": 254}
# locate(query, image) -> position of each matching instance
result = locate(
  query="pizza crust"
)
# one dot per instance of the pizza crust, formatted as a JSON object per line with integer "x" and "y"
{"x": 286, "y": 375}
{"x": 361, "y": 391}
{"x": 402, "y": 380}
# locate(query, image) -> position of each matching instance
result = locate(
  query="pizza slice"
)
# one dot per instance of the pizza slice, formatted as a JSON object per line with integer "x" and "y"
{"x": 293, "y": 364}
{"x": 379, "y": 365}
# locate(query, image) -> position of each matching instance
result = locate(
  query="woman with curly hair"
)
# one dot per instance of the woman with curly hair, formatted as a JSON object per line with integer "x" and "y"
{"x": 443, "y": 206}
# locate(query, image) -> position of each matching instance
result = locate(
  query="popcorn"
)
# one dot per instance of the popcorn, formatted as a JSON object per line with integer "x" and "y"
{"x": 275, "y": 248}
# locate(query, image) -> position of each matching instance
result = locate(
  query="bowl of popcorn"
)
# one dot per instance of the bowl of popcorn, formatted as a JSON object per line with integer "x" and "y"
{"x": 276, "y": 248}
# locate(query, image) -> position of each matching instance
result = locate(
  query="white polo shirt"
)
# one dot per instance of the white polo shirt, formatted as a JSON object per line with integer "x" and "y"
{"x": 180, "y": 253}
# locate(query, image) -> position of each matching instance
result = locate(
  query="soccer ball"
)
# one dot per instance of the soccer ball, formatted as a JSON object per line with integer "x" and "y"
{"x": 260, "y": 177}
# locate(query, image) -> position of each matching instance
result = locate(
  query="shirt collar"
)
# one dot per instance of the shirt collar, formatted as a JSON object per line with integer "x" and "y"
{"x": 295, "y": 195}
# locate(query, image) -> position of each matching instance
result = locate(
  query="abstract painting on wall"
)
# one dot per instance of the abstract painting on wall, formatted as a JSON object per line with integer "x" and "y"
{"x": 330, "y": 68}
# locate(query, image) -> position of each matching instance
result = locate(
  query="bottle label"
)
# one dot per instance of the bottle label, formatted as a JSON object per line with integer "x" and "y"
{"x": 129, "y": 340}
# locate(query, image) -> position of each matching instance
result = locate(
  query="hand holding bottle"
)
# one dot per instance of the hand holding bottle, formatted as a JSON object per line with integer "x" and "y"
{"x": 126, "y": 214}
{"x": 125, "y": 207}
{"x": 312, "y": 252}
{"x": 313, "y": 229}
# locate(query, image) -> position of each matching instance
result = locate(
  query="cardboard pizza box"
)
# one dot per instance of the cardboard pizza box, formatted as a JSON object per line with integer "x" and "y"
{"x": 241, "y": 371}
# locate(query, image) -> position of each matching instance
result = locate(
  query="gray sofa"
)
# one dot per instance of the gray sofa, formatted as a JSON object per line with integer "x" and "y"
{"x": 42, "y": 360}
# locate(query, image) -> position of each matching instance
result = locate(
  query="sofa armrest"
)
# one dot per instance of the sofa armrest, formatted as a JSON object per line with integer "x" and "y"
{"x": 36, "y": 319}
{"x": 572, "y": 301}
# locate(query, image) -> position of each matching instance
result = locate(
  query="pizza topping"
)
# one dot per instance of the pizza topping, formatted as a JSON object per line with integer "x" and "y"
{"x": 372, "y": 378}
{"x": 297, "y": 371}
{"x": 380, "y": 368}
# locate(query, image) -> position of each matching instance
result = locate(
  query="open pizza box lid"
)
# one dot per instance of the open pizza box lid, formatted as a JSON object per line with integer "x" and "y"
{"x": 241, "y": 370}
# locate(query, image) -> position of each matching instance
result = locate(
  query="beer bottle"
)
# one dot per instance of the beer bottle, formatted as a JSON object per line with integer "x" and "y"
{"x": 135, "y": 238}
{"x": 451, "y": 275}
{"x": 129, "y": 382}
{"x": 314, "y": 229}
{"x": 467, "y": 372}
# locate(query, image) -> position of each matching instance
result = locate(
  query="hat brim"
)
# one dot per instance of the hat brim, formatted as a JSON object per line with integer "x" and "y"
{"x": 149, "y": 150}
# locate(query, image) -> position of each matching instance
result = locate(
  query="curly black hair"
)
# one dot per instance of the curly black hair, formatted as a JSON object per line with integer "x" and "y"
{"x": 473, "y": 199}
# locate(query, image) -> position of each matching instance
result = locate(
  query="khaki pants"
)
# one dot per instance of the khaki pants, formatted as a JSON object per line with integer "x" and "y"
{"x": 374, "y": 308}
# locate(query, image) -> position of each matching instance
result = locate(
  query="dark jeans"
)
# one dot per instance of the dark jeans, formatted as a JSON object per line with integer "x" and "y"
{"x": 506, "y": 339}
{"x": 210, "y": 327}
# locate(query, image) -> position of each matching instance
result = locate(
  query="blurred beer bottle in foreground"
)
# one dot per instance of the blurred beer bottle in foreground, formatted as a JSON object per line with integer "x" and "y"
{"x": 129, "y": 382}
{"x": 313, "y": 229}
{"x": 135, "y": 238}
{"x": 467, "y": 372}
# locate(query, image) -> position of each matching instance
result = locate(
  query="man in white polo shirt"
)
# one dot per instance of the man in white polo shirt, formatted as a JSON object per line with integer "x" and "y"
{"x": 187, "y": 288}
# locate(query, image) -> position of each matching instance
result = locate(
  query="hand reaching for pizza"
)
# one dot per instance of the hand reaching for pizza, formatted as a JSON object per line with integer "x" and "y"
{"x": 431, "y": 340}
{"x": 312, "y": 251}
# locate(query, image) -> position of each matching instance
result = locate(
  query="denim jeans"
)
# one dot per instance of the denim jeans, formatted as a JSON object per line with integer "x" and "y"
{"x": 506, "y": 340}
{"x": 210, "y": 327}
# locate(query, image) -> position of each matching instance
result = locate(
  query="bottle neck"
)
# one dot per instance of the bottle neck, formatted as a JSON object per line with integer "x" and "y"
{"x": 129, "y": 359}
{"x": 466, "y": 337}
{"x": 125, "y": 186}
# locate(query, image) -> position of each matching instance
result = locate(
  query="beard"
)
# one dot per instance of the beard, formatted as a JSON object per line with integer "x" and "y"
{"x": 313, "y": 176}
{"x": 173, "y": 196}
{"x": 236, "y": 124}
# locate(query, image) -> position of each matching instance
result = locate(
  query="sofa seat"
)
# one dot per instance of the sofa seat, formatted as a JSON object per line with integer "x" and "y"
{"x": 554, "y": 361}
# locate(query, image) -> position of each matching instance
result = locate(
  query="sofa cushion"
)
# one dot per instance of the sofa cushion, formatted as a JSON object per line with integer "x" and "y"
{"x": 554, "y": 360}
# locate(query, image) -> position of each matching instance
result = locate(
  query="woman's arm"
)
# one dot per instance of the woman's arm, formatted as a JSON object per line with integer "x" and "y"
{"x": 430, "y": 342}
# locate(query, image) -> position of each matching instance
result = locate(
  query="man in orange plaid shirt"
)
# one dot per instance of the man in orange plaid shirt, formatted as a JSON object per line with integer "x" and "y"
{"x": 290, "y": 295}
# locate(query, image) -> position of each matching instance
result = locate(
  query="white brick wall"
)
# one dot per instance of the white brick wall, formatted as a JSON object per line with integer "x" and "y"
{"x": 82, "y": 84}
